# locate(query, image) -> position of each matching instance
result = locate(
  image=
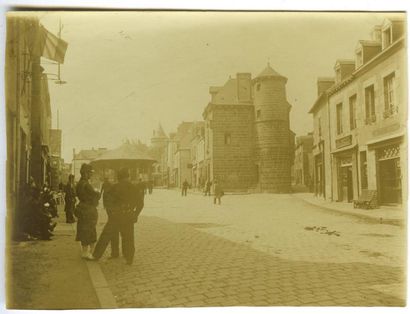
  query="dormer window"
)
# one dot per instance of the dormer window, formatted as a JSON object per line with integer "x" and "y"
{"x": 338, "y": 75}
{"x": 359, "y": 58}
{"x": 387, "y": 37}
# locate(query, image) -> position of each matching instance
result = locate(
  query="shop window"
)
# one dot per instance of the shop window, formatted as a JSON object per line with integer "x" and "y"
{"x": 370, "y": 105}
{"x": 352, "y": 111}
{"x": 390, "y": 107}
{"x": 339, "y": 118}
{"x": 363, "y": 169}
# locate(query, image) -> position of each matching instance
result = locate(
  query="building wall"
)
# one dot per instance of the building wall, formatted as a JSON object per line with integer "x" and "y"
{"x": 232, "y": 161}
{"x": 184, "y": 168}
{"x": 384, "y": 129}
{"x": 272, "y": 134}
{"x": 322, "y": 172}
{"x": 18, "y": 63}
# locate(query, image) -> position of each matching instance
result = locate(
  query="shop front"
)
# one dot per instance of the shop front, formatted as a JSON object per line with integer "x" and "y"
{"x": 389, "y": 174}
{"x": 345, "y": 179}
{"x": 319, "y": 176}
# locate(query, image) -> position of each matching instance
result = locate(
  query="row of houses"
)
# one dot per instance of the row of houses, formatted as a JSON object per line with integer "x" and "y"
{"x": 30, "y": 139}
{"x": 360, "y": 118}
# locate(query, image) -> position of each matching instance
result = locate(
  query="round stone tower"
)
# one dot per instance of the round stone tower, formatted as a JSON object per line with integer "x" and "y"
{"x": 272, "y": 132}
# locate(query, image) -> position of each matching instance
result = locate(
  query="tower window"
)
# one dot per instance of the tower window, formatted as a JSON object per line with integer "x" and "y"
{"x": 227, "y": 138}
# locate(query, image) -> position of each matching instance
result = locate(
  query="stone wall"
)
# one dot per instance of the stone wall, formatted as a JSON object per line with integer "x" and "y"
{"x": 233, "y": 146}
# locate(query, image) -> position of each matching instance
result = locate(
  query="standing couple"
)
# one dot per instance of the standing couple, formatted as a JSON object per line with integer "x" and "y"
{"x": 126, "y": 203}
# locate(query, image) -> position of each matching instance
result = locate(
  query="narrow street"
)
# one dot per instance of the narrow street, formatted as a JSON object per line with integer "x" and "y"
{"x": 193, "y": 253}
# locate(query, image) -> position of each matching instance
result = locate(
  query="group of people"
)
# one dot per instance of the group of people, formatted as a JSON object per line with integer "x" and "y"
{"x": 218, "y": 190}
{"x": 123, "y": 201}
{"x": 39, "y": 207}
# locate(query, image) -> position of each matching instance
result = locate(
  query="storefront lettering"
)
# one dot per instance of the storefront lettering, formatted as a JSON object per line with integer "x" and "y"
{"x": 386, "y": 129}
{"x": 344, "y": 141}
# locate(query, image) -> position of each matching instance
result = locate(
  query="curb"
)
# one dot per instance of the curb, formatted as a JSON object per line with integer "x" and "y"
{"x": 393, "y": 222}
{"x": 101, "y": 287}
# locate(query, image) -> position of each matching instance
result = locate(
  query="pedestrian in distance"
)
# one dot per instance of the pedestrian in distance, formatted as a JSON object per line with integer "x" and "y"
{"x": 108, "y": 206}
{"x": 208, "y": 185}
{"x": 185, "y": 186}
{"x": 127, "y": 203}
{"x": 86, "y": 212}
{"x": 150, "y": 186}
{"x": 218, "y": 192}
{"x": 70, "y": 200}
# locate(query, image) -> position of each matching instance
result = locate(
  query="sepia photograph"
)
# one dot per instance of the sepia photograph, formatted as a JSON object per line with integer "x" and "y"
{"x": 186, "y": 159}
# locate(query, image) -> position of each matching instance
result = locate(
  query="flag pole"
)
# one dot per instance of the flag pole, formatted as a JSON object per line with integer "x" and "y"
{"x": 59, "y": 37}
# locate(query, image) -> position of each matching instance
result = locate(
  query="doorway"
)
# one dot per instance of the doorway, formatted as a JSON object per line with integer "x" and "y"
{"x": 390, "y": 181}
{"x": 346, "y": 183}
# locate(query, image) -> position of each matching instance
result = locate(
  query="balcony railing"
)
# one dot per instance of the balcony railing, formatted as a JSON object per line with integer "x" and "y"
{"x": 390, "y": 111}
{"x": 370, "y": 119}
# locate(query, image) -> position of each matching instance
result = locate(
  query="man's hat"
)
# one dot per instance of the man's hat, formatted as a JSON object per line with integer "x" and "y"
{"x": 86, "y": 168}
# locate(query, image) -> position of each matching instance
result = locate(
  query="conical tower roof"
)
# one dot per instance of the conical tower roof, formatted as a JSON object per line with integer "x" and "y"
{"x": 269, "y": 72}
{"x": 159, "y": 132}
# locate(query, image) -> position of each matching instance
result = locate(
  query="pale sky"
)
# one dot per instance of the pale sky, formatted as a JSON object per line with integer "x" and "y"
{"x": 128, "y": 71}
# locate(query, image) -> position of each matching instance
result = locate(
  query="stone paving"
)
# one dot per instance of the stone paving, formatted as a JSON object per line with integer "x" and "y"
{"x": 182, "y": 261}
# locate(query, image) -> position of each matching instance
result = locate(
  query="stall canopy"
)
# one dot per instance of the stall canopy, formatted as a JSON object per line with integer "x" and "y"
{"x": 127, "y": 155}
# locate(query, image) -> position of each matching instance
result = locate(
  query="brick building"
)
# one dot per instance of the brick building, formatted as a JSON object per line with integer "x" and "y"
{"x": 360, "y": 122}
{"x": 248, "y": 142}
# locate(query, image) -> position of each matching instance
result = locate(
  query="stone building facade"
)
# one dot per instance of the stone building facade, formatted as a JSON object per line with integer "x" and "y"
{"x": 27, "y": 109}
{"x": 303, "y": 165}
{"x": 248, "y": 142}
{"x": 366, "y": 113}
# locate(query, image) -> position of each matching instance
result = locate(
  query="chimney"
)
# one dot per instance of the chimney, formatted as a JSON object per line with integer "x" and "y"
{"x": 324, "y": 83}
{"x": 243, "y": 81}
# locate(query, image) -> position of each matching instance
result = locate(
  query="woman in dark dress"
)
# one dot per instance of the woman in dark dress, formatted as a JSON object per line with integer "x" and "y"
{"x": 86, "y": 212}
{"x": 69, "y": 199}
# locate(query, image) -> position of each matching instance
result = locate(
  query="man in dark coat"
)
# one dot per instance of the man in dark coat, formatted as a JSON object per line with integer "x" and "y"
{"x": 127, "y": 203}
{"x": 185, "y": 186}
{"x": 69, "y": 198}
{"x": 108, "y": 206}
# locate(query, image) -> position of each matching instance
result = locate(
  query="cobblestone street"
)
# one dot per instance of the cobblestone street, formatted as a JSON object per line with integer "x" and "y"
{"x": 283, "y": 251}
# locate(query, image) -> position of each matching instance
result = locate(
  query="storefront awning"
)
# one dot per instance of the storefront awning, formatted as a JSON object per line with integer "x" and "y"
{"x": 344, "y": 149}
{"x": 386, "y": 138}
